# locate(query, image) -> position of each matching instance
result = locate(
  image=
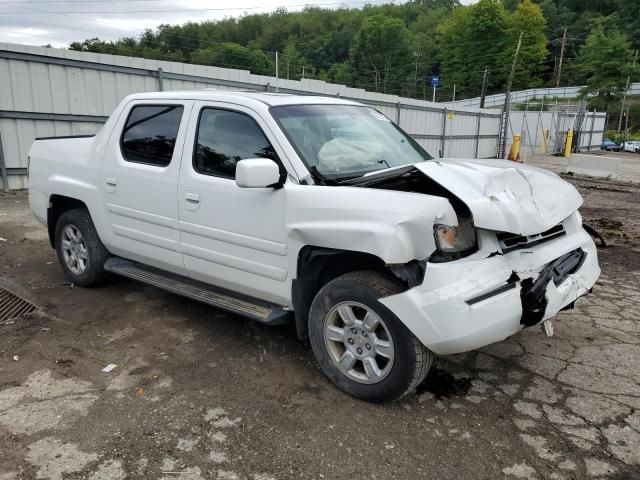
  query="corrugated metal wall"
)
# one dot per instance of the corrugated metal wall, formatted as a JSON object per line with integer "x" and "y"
{"x": 497, "y": 100}
{"x": 47, "y": 92}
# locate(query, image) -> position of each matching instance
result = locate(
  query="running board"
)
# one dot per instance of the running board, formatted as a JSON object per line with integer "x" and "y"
{"x": 258, "y": 310}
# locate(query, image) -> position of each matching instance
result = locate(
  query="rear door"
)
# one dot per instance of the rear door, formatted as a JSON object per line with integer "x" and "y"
{"x": 231, "y": 237}
{"x": 139, "y": 181}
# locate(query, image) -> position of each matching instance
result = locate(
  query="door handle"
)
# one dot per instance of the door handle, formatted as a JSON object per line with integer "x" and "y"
{"x": 193, "y": 200}
{"x": 192, "y": 197}
{"x": 111, "y": 184}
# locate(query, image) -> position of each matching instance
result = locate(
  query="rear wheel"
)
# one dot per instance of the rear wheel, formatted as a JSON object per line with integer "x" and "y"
{"x": 80, "y": 251}
{"x": 360, "y": 344}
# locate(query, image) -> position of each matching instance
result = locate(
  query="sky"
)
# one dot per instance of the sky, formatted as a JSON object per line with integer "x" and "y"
{"x": 58, "y": 22}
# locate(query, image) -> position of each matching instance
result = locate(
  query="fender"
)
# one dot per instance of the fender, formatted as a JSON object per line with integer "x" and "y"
{"x": 396, "y": 227}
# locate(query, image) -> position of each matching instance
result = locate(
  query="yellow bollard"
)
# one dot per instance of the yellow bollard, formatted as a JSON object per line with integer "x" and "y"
{"x": 567, "y": 146}
{"x": 545, "y": 138}
{"x": 514, "y": 154}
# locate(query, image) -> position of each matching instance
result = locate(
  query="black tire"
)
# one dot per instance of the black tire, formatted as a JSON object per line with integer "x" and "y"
{"x": 94, "y": 273}
{"x": 411, "y": 361}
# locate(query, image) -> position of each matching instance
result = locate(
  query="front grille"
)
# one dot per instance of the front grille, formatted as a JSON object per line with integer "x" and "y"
{"x": 12, "y": 306}
{"x": 509, "y": 241}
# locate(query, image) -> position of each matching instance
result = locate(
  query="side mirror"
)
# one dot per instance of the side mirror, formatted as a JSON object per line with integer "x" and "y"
{"x": 257, "y": 173}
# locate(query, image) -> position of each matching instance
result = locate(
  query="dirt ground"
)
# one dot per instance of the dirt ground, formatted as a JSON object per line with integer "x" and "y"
{"x": 201, "y": 394}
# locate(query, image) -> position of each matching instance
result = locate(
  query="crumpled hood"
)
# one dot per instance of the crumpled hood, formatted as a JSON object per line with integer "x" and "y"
{"x": 506, "y": 196}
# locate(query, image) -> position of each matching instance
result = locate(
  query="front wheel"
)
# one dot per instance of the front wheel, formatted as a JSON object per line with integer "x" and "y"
{"x": 360, "y": 344}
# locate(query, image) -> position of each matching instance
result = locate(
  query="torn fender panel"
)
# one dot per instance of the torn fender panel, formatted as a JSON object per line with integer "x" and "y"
{"x": 506, "y": 196}
{"x": 396, "y": 227}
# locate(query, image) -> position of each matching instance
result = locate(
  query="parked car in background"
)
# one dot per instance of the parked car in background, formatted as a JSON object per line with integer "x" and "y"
{"x": 609, "y": 145}
{"x": 631, "y": 146}
{"x": 321, "y": 211}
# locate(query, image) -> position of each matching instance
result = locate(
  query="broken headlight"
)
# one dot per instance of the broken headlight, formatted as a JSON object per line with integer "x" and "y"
{"x": 454, "y": 242}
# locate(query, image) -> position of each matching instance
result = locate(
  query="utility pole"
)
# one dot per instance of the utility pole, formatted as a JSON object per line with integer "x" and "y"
{"x": 513, "y": 65}
{"x": 626, "y": 89}
{"x": 277, "y": 82}
{"x": 303, "y": 71}
{"x": 454, "y": 93}
{"x": 507, "y": 102}
{"x": 485, "y": 79}
{"x": 416, "y": 54}
{"x": 564, "y": 41}
{"x": 626, "y": 127}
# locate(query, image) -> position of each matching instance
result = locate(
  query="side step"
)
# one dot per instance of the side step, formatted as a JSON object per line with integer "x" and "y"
{"x": 243, "y": 305}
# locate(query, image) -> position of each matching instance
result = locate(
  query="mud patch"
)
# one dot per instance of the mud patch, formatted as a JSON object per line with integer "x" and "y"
{"x": 442, "y": 384}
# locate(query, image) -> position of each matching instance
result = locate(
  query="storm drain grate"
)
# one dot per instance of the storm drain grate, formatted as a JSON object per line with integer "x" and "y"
{"x": 12, "y": 306}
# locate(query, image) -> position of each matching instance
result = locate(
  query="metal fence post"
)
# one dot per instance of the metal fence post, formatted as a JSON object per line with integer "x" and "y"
{"x": 3, "y": 168}
{"x": 160, "y": 80}
{"x": 398, "y": 107}
{"x": 444, "y": 131}
{"x": 593, "y": 120}
{"x": 504, "y": 126}
{"x": 477, "y": 135}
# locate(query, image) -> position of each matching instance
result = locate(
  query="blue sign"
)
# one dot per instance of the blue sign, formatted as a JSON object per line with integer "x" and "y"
{"x": 435, "y": 80}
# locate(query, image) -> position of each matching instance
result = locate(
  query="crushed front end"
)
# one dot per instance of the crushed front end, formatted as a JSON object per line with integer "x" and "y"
{"x": 508, "y": 283}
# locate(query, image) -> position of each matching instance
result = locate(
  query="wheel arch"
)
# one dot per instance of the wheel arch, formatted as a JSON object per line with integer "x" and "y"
{"x": 58, "y": 204}
{"x": 316, "y": 266}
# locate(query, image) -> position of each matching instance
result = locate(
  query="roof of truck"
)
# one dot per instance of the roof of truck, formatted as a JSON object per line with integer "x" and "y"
{"x": 271, "y": 99}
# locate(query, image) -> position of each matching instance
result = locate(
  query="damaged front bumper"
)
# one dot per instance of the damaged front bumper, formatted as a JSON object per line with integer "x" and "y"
{"x": 487, "y": 297}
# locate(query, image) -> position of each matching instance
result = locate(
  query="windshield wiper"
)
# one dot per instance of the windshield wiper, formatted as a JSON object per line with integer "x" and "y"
{"x": 377, "y": 176}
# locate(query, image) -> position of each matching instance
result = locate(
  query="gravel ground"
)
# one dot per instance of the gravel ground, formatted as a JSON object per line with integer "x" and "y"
{"x": 201, "y": 394}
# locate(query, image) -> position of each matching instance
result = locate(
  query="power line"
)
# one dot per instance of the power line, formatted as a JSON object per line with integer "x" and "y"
{"x": 84, "y": 1}
{"x": 392, "y": 82}
{"x": 184, "y": 10}
{"x": 164, "y": 32}
{"x": 191, "y": 49}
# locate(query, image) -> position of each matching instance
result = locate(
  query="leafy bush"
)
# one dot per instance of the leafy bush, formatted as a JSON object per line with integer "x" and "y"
{"x": 619, "y": 137}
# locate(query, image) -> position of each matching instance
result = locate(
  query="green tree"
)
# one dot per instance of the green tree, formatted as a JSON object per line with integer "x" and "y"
{"x": 604, "y": 63}
{"x": 529, "y": 20}
{"x": 292, "y": 62}
{"x": 425, "y": 45}
{"x": 630, "y": 20}
{"x": 342, "y": 73}
{"x": 469, "y": 39}
{"x": 382, "y": 47}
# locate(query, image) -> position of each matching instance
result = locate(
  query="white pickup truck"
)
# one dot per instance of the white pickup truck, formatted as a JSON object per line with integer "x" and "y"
{"x": 318, "y": 210}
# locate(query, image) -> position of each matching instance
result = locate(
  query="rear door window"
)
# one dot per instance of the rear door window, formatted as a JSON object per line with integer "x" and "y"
{"x": 149, "y": 135}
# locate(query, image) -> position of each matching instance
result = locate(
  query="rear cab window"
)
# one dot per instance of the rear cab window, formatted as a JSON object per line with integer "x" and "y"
{"x": 149, "y": 134}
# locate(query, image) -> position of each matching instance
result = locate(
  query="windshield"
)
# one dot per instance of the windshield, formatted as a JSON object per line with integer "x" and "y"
{"x": 345, "y": 141}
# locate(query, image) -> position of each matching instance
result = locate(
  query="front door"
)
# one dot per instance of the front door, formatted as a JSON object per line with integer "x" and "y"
{"x": 231, "y": 237}
{"x": 139, "y": 182}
